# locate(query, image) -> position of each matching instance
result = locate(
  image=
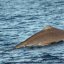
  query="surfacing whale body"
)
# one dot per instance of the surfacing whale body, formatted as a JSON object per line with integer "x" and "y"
{"x": 44, "y": 37}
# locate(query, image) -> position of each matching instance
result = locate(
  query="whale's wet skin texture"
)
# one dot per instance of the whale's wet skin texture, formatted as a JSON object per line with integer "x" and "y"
{"x": 47, "y": 36}
{"x": 25, "y": 20}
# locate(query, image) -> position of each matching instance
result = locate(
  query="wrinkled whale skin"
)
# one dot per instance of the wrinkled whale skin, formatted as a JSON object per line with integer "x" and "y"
{"x": 44, "y": 37}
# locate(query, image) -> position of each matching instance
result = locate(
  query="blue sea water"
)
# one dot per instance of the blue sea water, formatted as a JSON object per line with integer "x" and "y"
{"x": 20, "y": 19}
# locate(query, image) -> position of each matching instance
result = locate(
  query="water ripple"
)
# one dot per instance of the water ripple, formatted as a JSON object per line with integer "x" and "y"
{"x": 20, "y": 19}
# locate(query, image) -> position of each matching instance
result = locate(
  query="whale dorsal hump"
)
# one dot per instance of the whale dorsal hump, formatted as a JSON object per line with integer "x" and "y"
{"x": 48, "y": 27}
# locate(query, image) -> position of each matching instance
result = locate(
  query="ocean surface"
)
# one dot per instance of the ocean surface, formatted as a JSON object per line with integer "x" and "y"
{"x": 20, "y": 19}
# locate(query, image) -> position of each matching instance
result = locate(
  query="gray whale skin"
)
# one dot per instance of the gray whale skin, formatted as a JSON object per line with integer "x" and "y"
{"x": 44, "y": 37}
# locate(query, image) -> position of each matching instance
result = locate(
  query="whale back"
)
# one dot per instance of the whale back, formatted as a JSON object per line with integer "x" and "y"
{"x": 44, "y": 37}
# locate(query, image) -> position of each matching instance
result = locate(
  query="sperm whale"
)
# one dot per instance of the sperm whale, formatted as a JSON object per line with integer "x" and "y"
{"x": 44, "y": 37}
